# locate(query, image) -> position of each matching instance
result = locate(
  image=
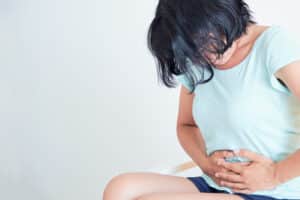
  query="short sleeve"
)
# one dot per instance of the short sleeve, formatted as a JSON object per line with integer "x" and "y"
{"x": 182, "y": 78}
{"x": 283, "y": 48}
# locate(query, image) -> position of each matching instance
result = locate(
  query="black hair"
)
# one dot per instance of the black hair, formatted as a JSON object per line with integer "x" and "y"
{"x": 182, "y": 31}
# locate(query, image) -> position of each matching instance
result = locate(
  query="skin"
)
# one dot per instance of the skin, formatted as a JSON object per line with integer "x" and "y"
{"x": 245, "y": 178}
{"x": 260, "y": 174}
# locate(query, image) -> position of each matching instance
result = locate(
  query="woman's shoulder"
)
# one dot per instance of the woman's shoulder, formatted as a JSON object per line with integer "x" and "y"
{"x": 281, "y": 47}
{"x": 279, "y": 35}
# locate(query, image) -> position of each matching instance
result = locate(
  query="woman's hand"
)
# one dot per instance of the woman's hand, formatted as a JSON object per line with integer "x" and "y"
{"x": 212, "y": 166}
{"x": 259, "y": 174}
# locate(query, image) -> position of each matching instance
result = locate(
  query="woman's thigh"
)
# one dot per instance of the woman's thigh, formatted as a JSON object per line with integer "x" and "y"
{"x": 129, "y": 186}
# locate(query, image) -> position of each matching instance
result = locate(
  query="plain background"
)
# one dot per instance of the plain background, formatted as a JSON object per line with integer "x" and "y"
{"x": 80, "y": 98}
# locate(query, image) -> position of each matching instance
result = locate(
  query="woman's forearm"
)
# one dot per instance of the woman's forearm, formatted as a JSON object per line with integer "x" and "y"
{"x": 288, "y": 168}
{"x": 193, "y": 143}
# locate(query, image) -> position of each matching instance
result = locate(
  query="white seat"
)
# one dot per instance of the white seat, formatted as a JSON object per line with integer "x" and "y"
{"x": 184, "y": 169}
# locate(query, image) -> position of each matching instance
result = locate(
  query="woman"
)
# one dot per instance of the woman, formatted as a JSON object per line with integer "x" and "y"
{"x": 243, "y": 104}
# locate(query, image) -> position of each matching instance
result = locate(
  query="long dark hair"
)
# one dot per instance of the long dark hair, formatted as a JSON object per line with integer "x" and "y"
{"x": 182, "y": 31}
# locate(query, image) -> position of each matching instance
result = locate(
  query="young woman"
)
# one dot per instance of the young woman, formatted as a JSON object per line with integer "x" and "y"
{"x": 238, "y": 78}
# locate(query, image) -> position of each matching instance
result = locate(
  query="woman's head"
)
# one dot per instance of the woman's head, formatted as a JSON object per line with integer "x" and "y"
{"x": 185, "y": 32}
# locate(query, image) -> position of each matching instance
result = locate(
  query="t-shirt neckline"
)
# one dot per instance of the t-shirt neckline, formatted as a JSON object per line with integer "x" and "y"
{"x": 254, "y": 46}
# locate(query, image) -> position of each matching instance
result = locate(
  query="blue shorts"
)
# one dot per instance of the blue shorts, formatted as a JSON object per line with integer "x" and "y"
{"x": 202, "y": 186}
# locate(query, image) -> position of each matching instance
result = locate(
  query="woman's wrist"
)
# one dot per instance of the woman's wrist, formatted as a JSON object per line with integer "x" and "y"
{"x": 206, "y": 165}
{"x": 277, "y": 176}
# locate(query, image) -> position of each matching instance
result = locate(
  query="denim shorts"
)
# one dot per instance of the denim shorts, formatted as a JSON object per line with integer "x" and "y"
{"x": 202, "y": 186}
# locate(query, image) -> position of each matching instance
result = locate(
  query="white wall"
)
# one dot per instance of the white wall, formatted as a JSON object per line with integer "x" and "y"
{"x": 80, "y": 100}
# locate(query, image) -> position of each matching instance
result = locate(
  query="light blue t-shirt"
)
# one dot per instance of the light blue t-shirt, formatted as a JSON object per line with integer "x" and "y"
{"x": 247, "y": 107}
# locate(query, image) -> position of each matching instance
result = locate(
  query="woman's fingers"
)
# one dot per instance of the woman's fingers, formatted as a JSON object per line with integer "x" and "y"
{"x": 222, "y": 153}
{"x": 227, "y": 154}
{"x": 235, "y": 186}
{"x": 237, "y": 168}
{"x": 251, "y": 155}
{"x": 230, "y": 177}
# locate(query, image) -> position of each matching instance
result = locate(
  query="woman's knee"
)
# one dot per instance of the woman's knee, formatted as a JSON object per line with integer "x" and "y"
{"x": 120, "y": 187}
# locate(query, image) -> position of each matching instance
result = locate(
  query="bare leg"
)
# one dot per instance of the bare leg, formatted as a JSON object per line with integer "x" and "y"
{"x": 190, "y": 196}
{"x": 129, "y": 186}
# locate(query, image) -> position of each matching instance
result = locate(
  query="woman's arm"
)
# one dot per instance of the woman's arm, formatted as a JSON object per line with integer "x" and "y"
{"x": 192, "y": 142}
{"x": 288, "y": 168}
{"x": 188, "y": 133}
